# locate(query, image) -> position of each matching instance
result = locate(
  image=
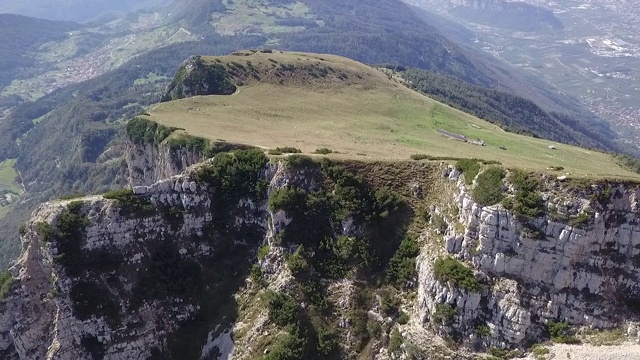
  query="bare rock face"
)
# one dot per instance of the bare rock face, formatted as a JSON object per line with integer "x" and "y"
{"x": 195, "y": 77}
{"x": 586, "y": 274}
{"x": 149, "y": 163}
{"x": 138, "y": 272}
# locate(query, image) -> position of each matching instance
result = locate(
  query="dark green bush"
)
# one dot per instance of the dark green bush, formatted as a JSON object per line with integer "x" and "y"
{"x": 283, "y": 309}
{"x": 561, "y": 332}
{"x": 300, "y": 162}
{"x": 297, "y": 263}
{"x": 188, "y": 142}
{"x": 488, "y": 190}
{"x": 263, "y": 251}
{"x": 581, "y": 220}
{"x": 483, "y": 330}
{"x": 289, "y": 347}
{"x": 284, "y": 150}
{"x": 6, "y": 280}
{"x": 142, "y": 131}
{"x": 448, "y": 269}
{"x": 69, "y": 235}
{"x": 327, "y": 341}
{"x": 256, "y": 273}
{"x": 232, "y": 176}
{"x": 444, "y": 314}
{"x": 129, "y": 202}
{"x": 323, "y": 151}
{"x": 439, "y": 223}
{"x": 527, "y": 202}
{"x": 45, "y": 231}
{"x": 395, "y": 341}
{"x": 402, "y": 266}
{"x": 389, "y": 302}
{"x": 468, "y": 167}
{"x": 289, "y": 199}
{"x": 403, "y": 318}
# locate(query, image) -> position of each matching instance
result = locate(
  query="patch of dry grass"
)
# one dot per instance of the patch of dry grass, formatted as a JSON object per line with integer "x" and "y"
{"x": 355, "y": 109}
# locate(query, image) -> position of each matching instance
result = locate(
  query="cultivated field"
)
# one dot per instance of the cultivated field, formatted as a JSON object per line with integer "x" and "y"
{"x": 7, "y": 183}
{"x": 366, "y": 116}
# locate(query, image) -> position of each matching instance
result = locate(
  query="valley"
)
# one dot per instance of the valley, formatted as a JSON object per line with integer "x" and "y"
{"x": 91, "y": 52}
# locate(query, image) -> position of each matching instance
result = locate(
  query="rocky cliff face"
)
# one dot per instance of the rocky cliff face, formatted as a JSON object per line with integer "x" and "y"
{"x": 166, "y": 269}
{"x": 197, "y": 78}
{"x": 539, "y": 271}
{"x": 148, "y": 163}
{"x": 116, "y": 278}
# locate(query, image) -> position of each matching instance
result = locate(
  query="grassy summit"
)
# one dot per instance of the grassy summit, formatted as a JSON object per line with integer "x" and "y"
{"x": 311, "y": 101}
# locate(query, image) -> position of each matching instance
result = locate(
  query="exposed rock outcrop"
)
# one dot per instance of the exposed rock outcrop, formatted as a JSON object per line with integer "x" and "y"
{"x": 197, "y": 78}
{"x": 586, "y": 275}
{"x": 148, "y": 163}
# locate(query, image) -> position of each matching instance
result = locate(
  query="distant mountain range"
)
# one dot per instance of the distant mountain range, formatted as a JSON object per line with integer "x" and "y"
{"x": 75, "y": 10}
{"x": 515, "y": 15}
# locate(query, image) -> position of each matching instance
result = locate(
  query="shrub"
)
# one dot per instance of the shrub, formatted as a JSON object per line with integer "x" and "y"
{"x": 448, "y": 269}
{"x": 470, "y": 168}
{"x": 189, "y": 142}
{"x": 403, "y": 318}
{"x": 582, "y": 219}
{"x": 439, "y": 223}
{"x": 323, "y": 151}
{"x": 561, "y": 332}
{"x": 129, "y": 202}
{"x": 69, "y": 235}
{"x": 527, "y": 202}
{"x": 395, "y": 341}
{"x": 283, "y": 309}
{"x": 289, "y": 347}
{"x": 231, "y": 177}
{"x": 389, "y": 302}
{"x": 402, "y": 266}
{"x": 488, "y": 190}
{"x": 143, "y": 131}
{"x": 6, "y": 280}
{"x": 297, "y": 263}
{"x": 540, "y": 352}
{"x": 483, "y": 330}
{"x": 300, "y": 162}
{"x": 45, "y": 231}
{"x": 256, "y": 273}
{"x": 444, "y": 314}
{"x": 327, "y": 341}
{"x": 289, "y": 199}
{"x": 284, "y": 150}
{"x": 263, "y": 251}
{"x": 373, "y": 328}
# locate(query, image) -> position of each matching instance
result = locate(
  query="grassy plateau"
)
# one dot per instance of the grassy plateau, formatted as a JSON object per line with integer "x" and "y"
{"x": 311, "y": 101}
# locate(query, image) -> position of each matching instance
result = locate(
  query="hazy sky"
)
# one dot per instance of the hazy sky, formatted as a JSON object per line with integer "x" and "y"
{"x": 75, "y": 10}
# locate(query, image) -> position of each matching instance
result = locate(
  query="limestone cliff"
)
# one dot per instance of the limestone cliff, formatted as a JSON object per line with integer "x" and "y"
{"x": 149, "y": 163}
{"x": 205, "y": 264}
{"x": 114, "y": 277}
{"x": 537, "y": 271}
